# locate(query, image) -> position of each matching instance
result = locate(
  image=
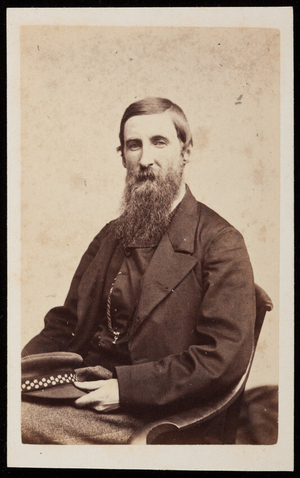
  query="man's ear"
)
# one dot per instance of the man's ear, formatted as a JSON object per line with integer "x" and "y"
{"x": 186, "y": 153}
{"x": 119, "y": 150}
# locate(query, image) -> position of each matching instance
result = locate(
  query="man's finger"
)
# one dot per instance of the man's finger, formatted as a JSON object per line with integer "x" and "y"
{"x": 89, "y": 385}
{"x": 88, "y": 399}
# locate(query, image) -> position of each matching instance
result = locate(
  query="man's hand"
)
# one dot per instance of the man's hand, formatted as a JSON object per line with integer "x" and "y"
{"x": 104, "y": 396}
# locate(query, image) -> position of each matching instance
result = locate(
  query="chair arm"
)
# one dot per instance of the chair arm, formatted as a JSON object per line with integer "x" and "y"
{"x": 187, "y": 418}
{"x": 195, "y": 416}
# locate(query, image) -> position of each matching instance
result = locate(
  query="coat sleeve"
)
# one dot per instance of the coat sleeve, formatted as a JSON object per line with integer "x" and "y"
{"x": 225, "y": 327}
{"x": 60, "y": 322}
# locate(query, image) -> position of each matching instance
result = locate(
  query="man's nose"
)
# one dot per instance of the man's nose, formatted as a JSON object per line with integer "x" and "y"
{"x": 146, "y": 158}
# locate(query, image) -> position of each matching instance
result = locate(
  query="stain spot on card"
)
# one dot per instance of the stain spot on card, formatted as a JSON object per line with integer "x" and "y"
{"x": 259, "y": 174}
{"x": 262, "y": 234}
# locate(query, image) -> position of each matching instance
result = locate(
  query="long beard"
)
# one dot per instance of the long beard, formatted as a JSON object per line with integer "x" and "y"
{"x": 146, "y": 205}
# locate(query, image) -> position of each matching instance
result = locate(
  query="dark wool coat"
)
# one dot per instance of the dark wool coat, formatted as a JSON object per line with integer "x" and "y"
{"x": 192, "y": 333}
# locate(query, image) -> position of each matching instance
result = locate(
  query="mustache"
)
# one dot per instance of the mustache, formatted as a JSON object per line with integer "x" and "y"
{"x": 145, "y": 174}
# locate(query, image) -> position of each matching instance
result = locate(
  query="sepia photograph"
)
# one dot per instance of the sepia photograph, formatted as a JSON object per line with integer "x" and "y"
{"x": 150, "y": 230}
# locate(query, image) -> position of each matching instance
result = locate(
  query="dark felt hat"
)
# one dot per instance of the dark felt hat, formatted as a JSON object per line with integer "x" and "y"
{"x": 51, "y": 375}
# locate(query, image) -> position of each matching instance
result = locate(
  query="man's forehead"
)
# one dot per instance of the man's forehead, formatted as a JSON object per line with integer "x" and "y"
{"x": 160, "y": 124}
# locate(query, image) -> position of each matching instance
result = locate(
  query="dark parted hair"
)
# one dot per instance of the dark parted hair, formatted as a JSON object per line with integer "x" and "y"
{"x": 154, "y": 105}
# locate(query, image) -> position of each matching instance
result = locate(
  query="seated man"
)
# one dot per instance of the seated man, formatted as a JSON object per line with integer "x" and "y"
{"x": 163, "y": 297}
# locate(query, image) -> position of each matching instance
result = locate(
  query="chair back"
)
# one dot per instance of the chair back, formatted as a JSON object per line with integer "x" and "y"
{"x": 263, "y": 305}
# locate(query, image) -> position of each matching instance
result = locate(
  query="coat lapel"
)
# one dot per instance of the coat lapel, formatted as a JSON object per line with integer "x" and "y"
{"x": 166, "y": 269}
{"x": 91, "y": 286}
{"x": 173, "y": 258}
{"x": 171, "y": 262}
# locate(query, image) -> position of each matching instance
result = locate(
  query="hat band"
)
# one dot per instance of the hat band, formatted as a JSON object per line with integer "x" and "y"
{"x": 47, "y": 381}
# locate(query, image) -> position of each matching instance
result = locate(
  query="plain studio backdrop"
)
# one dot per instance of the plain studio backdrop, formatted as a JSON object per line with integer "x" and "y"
{"x": 75, "y": 85}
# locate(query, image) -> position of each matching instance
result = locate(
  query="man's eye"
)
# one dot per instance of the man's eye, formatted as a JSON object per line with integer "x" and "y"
{"x": 160, "y": 143}
{"x": 134, "y": 146}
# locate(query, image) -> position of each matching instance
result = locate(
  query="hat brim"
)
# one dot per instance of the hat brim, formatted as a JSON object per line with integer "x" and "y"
{"x": 67, "y": 391}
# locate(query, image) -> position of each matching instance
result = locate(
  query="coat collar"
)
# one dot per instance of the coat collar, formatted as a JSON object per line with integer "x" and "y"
{"x": 182, "y": 229}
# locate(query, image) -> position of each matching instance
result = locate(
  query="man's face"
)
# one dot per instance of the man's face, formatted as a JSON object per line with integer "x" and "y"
{"x": 151, "y": 146}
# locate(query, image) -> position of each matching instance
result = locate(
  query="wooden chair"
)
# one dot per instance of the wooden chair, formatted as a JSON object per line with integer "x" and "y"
{"x": 216, "y": 423}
